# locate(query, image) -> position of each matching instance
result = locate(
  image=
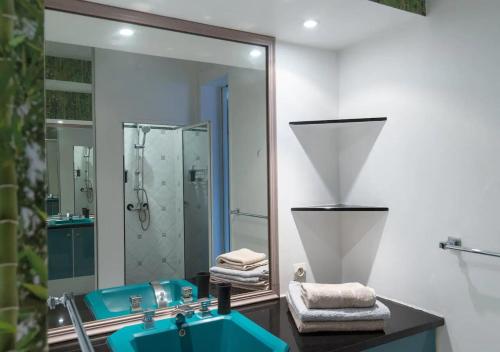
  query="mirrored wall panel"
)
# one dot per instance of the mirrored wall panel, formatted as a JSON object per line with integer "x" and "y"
{"x": 158, "y": 166}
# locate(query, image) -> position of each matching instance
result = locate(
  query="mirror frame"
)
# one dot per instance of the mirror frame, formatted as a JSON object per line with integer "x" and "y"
{"x": 90, "y": 9}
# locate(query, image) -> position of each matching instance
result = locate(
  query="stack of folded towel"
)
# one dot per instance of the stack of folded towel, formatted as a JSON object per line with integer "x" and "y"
{"x": 335, "y": 307}
{"x": 243, "y": 268}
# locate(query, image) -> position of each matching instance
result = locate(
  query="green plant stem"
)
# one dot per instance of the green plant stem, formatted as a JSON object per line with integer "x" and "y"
{"x": 9, "y": 304}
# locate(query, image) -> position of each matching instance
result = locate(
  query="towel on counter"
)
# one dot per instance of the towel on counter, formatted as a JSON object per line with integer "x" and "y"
{"x": 254, "y": 280}
{"x": 241, "y": 259}
{"x": 378, "y": 312}
{"x": 261, "y": 285}
{"x": 259, "y": 272}
{"x": 349, "y": 295}
{"x": 341, "y": 326}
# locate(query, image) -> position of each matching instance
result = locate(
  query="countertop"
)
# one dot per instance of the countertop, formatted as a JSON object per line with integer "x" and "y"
{"x": 274, "y": 317}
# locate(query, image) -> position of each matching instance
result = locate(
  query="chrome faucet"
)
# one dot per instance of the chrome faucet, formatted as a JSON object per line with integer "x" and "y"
{"x": 160, "y": 294}
{"x": 181, "y": 314}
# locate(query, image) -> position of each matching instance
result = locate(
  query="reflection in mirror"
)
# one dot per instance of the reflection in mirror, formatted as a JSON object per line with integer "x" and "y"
{"x": 166, "y": 183}
{"x": 83, "y": 161}
{"x": 157, "y": 156}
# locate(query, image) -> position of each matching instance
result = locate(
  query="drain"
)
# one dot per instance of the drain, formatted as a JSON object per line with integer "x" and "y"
{"x": 182, "y": 332}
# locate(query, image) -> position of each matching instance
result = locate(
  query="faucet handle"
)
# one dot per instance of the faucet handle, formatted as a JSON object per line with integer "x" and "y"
{"x": 148, "y": 320}
{"x": 135, "y": 303}
{"x": 53, "y": 302}
{"x": 204, "y": 305}
{"x": 148, "y": 315}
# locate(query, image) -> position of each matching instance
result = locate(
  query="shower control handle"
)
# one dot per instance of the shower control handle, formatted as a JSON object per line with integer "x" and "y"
{"x": 130, "y": 207}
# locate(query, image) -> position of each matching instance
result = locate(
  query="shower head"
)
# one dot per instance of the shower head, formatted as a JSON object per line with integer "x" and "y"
{"x": 145, "y": 130}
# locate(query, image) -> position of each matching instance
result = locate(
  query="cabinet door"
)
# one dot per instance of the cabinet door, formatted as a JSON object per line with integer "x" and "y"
{"x": 60, "y": 248}
{"x": 84, "y": 250}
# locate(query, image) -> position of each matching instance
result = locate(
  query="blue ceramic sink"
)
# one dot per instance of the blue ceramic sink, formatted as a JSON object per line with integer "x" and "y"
{"x": 217, "y": 333}
{"x": 115, "y": 302}
{"x": 74, "y": 221}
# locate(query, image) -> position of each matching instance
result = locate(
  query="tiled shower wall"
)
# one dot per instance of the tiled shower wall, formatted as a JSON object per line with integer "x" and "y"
{"x": 157, "y": 253}
{"x": 79, "y": 163}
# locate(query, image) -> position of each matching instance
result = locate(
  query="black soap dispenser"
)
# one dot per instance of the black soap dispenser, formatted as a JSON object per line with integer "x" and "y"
{"x": 203, "y": 284}
{"x": 224, "y": 298}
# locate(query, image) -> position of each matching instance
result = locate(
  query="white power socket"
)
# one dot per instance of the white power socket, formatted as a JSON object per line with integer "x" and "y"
{"x": 299, "y": 272}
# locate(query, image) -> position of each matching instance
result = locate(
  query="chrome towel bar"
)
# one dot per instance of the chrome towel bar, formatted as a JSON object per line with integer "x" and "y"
{"x": 456, "y": 245}
{"x": 238, "y": 212}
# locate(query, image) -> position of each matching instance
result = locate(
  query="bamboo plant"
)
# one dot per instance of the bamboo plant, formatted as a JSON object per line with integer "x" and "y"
{"x": 23, "y": 272}
{"x": 415, "y": 6}
{"x": 9, "y": 305}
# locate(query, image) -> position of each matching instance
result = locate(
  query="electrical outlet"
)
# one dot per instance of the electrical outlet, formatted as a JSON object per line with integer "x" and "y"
{"x": 299, "y": 272}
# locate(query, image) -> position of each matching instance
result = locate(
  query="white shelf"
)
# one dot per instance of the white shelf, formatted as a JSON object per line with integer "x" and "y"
{"x": 72, "y": 123}
{"x": 67, "y": 86}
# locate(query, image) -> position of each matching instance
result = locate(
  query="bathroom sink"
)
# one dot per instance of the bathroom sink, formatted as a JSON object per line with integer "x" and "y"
{"x": 79, "y": 221}
{"x": 221, "y": 333}
{"x": 115, "y": 301}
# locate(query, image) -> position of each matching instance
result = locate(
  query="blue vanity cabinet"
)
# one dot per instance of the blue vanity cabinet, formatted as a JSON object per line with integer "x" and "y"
{"x": 83, "y": 239}
{"x": 71, "y": 250}
{"x": 60, "y": 247}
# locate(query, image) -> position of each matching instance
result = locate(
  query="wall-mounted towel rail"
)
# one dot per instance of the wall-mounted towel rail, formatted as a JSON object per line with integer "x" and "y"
{"x": 456, "y": 245}
{"x": 239, "y": 212}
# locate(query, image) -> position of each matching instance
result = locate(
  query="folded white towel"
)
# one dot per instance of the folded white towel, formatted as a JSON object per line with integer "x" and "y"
{"x": 341, "y": 326}
{"x": 348, "y": 295}
{"x": 238, "y": 278}
{"x": 261, "y": 271}
{"x": 378, "y": 312}
{"x": 243, "y": 267}
{"x": 241, "y": 259}
{"x": 261, "y": 285}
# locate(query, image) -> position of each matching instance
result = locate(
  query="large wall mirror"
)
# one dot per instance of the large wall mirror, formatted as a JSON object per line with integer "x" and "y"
{"x": 160, "y": 158}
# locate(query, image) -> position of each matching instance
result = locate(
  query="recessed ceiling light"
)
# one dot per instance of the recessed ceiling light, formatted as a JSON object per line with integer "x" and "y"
{"x": 60, "y": 121}
{"x": 126, "y": 32}
{"x": 255, "y": 53}
{"x": 310, "y": 24}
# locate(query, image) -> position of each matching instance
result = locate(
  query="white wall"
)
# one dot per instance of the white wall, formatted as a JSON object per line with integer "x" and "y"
{"x": 248, "y": 158}
{"x": 435, "y": 164}
{"x": 306, "y": 90}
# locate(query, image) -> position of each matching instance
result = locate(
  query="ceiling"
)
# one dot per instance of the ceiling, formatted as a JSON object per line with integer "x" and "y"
{"x": 83, "y": 33}
{"x": 341, "y": 22}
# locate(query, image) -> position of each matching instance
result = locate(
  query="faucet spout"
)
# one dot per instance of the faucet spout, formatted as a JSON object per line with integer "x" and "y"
{"x": 182, "y": 314}
{"x": 160, "y": 294}
{"x": 180, "y": 319}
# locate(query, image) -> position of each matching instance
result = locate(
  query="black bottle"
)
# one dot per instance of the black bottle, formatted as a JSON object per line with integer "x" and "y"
{"x": 224, "y": 298}
{"x": 203, "y": 282}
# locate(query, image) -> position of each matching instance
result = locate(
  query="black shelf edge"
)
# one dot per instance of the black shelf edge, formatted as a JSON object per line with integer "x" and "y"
{"x": 339, "y": 207}
{"x": 337, "y": 121}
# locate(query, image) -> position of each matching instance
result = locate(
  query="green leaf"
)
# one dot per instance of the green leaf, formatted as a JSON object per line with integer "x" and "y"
{"x": 27, "y": 339}
{"x": 17, "y": 40}
{"x": 37, "y": 290}
{"x": 36, "y": 262}
{"x": 7, "y": 328}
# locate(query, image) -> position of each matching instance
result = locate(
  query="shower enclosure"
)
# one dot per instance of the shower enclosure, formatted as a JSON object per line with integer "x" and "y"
{"x": 83, "y": 165}
{"x": 166, "y": 193}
